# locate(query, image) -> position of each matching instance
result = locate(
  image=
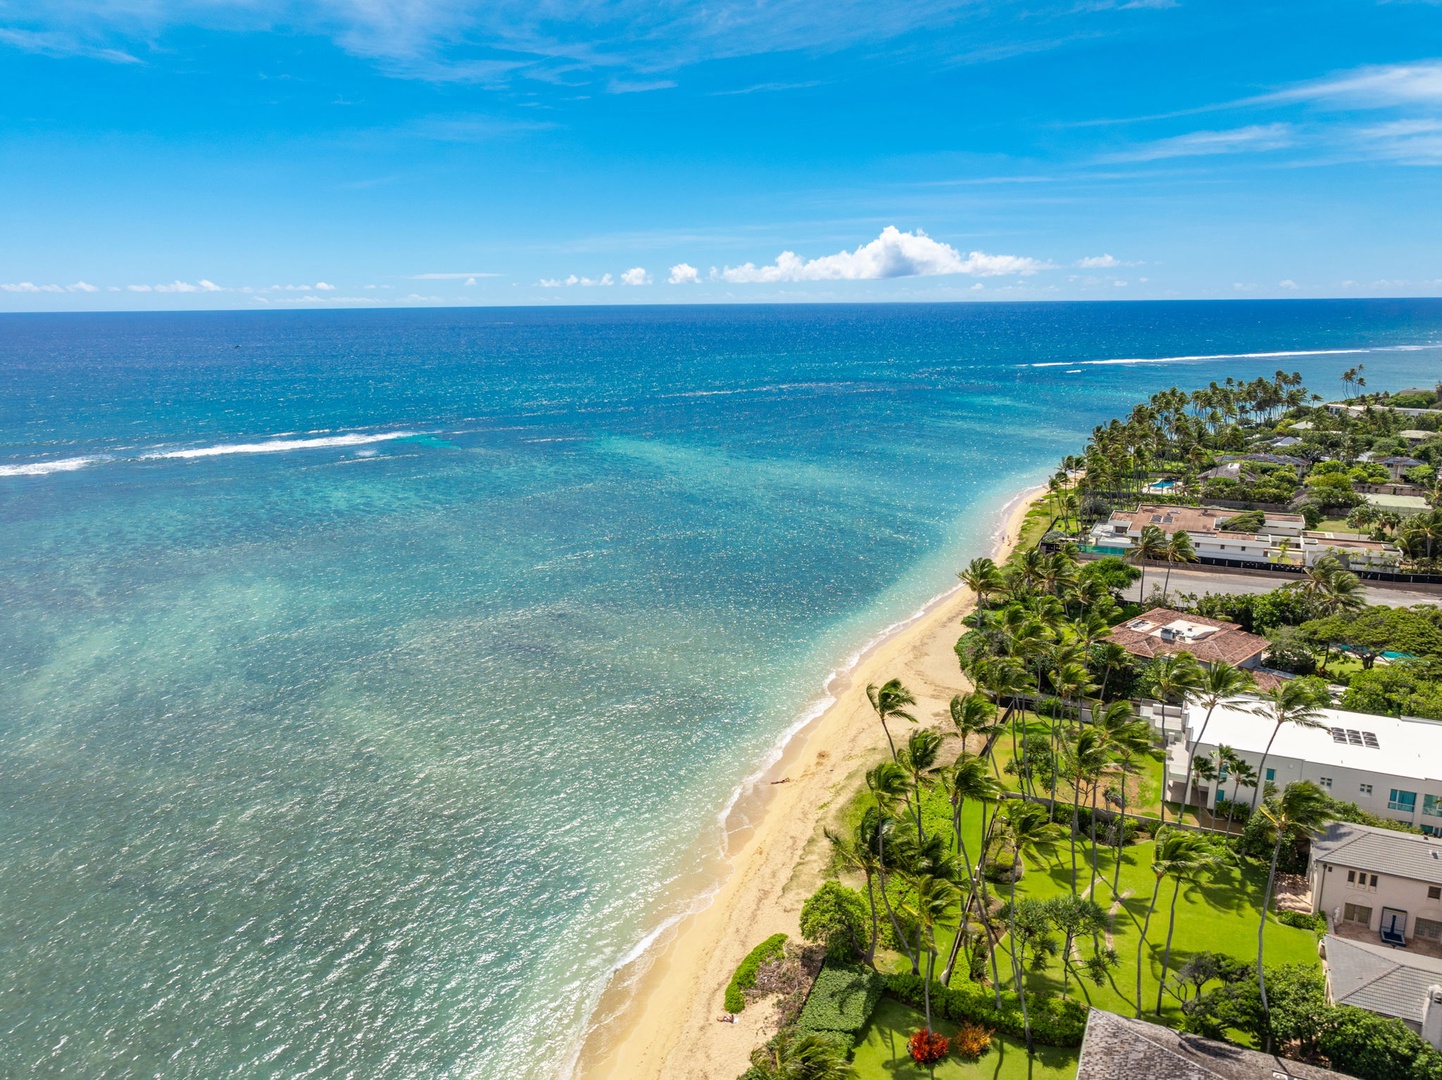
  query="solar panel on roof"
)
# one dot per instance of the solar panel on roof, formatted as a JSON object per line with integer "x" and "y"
{"x": 1339, "y": 736}
{"x": 1371, "y": 740}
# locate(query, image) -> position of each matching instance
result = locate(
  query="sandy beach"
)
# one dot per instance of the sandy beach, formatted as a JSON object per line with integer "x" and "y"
{"x": 663, "y": 1022}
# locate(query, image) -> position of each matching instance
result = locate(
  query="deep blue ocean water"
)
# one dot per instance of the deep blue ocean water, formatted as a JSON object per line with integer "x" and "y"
{"x": 368, "y": 678}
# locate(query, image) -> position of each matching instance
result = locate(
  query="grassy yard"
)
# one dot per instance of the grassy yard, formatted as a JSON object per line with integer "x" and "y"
{"x": 881, "y": 1054}
{"x": 1033, "y": 527}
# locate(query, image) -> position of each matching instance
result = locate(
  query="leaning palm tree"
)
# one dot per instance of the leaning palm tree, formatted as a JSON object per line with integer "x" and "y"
{"x": 1330, "y": 586}
{"x": 1179, "y": 549}
{"x": 967, "y": 780}
{"x": 890, "y": 700}
{"x": 930, "y": 906}
{"x": 1243, "y": 775}
{"x": 1029, "y": 830}
{"x": 1112, "y": 657}
{"x": 1151, "y": 546}
{"x": 1175, "y": 851}
{"x": 1086, "y": 756}
{"x": 1294, "y": 702}
{"x": 887, "y": 783}
{"x": 1130, "y": 740}
{"x": 972, "y": 715}
{"x": 918, "y": 758}
{"x": 984, "y": 578}
{"x": 1220, "y": 684}
{"x": 1300, "y": 809}
{"x": 858, "y": 852}
{"x": 1187, "y": 865}
{"x": 1172, "y": 678}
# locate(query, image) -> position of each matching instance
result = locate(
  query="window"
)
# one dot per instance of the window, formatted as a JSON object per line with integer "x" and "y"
{"x": 1434, "y": 892}
{"x": 1427, "y": 928}
{"x": 1432, "y": 805}
{"x": 1271, "y": 775}
{"x": 1402, "y": 800}
{"x": 1356, "y": 913}
{"x": 1351, "y": 877}
{"x": 1325, "y": 781}
{"x": 1365, "y": 789}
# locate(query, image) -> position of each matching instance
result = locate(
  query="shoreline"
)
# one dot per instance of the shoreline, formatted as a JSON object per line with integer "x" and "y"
{"x": 657, "y": 1015}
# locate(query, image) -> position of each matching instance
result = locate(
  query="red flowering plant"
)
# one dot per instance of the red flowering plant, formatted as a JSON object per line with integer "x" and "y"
{"x": 927, "y": 1047}
{"x": 971, "y": 1041}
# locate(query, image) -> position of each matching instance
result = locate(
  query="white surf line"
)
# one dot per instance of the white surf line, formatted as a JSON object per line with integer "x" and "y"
{"x": 275, "y": 446}
{"x": 41, "y": 468}
{"x": 1211, "y": 356}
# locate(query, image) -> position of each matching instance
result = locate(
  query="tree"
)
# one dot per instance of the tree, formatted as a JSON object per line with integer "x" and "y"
{"x": 982, "y": 577}
{"x": 890, "y": 701}
{"x": 1176, "y": 852}
{"x": 1301, "y": 808}
{"x": 972, "y": 715}
{"x": 835, "y": 916}
{"x": 918, "y": 758}
{"x": 1179, "y": 549}
{"x": 1171, "y": 679}
{"x": 859, "y": 852}
{"x": 1112, "y": 657}
{"x": 1075, "y": 917}
{"x": 1368, "y": 633}
{"x": 931, "y": 906}
{"x": 1219, "y": 684}
{"x": 1130, "y": 739}
{"x": 1151, "y": 546}
{"x": 967, "y": 780}
{"x": 887, "y": 783}
{"x": 1188, "y": 863}
{"x": 1297, "y": 702}
{"x": 1243, "y": 775}
{"x": 1086, "y": 757}
{"x": 1330, "y": 586}
{"x": 799, "y": 1057}
{"x": 1029, "y": 830}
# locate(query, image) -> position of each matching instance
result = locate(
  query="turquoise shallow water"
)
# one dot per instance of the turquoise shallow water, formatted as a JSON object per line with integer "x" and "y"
{"x": 372, "y": 753}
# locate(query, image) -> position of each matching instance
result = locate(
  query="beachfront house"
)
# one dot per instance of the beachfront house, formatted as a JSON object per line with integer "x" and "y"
{"x": 1356, "y": 552}
{"x": 1203, "y": 526}
{"x": 1379, "y": 885}
{"x": 1120, "y": 1048}
{"x": 1389, "y": 765}
{"x": 1390, "y": 982}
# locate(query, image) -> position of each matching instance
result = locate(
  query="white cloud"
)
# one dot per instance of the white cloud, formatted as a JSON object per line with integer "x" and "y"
{"x": 139, "y": 288}
{"x": 82, "y": 286}
{"x": 684, "y": 274}
{"x": 1374, "y": 86}
{"x": 561, "y": 283}
{"x": 457, "y": 276}
{"x": 1287, "y": 283}
{"x": 893, "y": 254}
{"x": 30, "y": 287}
{"x": 322, "y": 286}
{"x": 636, "y": 276}
{"x": 1254, "y": 137}
{"x": 638, "y": 86}
{"x": 1098, "y": 262}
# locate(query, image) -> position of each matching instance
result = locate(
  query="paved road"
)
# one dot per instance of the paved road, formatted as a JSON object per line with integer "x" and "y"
{"x": 1202, "y": 582}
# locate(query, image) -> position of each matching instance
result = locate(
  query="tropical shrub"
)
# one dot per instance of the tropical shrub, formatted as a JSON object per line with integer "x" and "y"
{"x": 1055, "y": 1021}
{"x": 745, "y": 978}
{"x": 971, "y": 1041}
{"x": 1303, "y": 920}
{"x": 1371, "y": 1047}
{"x": 842, "y": 999}
{"x": 836, "y": 917}
{"x": 927, "y": 1047}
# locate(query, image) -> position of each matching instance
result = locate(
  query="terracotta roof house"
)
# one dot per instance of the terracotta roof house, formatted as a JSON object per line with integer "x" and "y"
{"x": 1118, "y": 1048}
{"x": 1163, "y": 631}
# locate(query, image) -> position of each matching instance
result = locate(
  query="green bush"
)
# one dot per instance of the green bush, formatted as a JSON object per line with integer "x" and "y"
{"x": 835, "y": 916}
{"x": 1303, "y": 920}
{"x": 745, "y": 978}
{"x": 1055, "y": 1021}
{"x": 842, "y": 999}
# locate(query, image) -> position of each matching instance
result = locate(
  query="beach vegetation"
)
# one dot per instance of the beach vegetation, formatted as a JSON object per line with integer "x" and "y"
{"x": 744, "y": 979}
{"x": 837, "y": 917}
{"x": 842, "y": 999}
{"x": 792, "y": 1055}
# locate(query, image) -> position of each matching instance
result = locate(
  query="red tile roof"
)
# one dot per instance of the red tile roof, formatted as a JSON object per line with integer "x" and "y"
{"x": 1225, "y": 641}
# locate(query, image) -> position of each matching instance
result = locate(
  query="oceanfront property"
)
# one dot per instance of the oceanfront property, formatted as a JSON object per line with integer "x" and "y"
{"x": 1389, "y": 766}
{"x": 1386, "y": 882}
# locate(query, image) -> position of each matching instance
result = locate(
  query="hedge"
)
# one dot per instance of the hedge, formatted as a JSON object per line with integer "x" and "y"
{"x": 842, "y": 999}
{"x": 1055, "y": 1021}
{"x": 745, "y": 978}
{"x": 1303, "y": 920}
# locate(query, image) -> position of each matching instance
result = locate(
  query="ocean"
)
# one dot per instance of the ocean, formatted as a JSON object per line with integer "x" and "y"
{"x": 371, "y": 680}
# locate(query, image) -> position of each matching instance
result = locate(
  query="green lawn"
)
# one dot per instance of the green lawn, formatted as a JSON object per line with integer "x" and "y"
{"x": 881, "y": 1054}
{"x": 1033, "y": 527}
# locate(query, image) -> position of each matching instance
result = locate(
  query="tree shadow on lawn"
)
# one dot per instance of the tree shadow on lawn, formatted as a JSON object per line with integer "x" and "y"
{"x": 882, "y": 1054}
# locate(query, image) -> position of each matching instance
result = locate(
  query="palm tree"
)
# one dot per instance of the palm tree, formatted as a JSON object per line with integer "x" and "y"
{"x": 1030, "y": 832}
{"x": 1300, "y": 809}
{"x": 967, "y": 779}
{"x": 983, "y": 578}
{"x": 1330, "y": 586}
{"x": 1188, "y": 863}
{"x": 858, "y": 852}
{"x": 1111, "y": 656}
{"x": 1221, "y": 683}
{"x": 1179, "y": 549}
{"x": 1086, "y": 757}
{"x": 802, "y": 1057}
{"x": 1175, "y": 850}
{"x": 973, "y": 715}
{"x": 918, "y": 758}
{"x": 1294, "y": 702}
{"x": 887, "y": 783}
{"x": 932, "y": 900}
{"x": 1172, "y": 678}
{"x": 1243, "y": 775}
{"x": 890, "y": 700}
{"x": 1151, "y": 546}
{"x": 1129, "y": 739}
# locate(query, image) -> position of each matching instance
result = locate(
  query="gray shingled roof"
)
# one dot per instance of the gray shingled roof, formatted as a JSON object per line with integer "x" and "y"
{"x": 1116, "y": 1048}
{"x": 1381, "y": 851}
{"x": 1383, "y": 980}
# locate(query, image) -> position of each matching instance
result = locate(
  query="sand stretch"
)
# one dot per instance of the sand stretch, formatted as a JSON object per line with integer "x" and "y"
{"x": 668, "y": 1027}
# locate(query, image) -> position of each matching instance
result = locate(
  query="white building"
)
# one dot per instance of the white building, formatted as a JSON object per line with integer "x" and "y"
{"x": 1388, "y": 765}
{"x": 1352, "y": 550}
{"x": 1203, "y": 525}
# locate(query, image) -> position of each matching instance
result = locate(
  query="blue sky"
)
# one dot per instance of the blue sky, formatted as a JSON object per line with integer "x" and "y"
{"x": 279, "y": 153}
